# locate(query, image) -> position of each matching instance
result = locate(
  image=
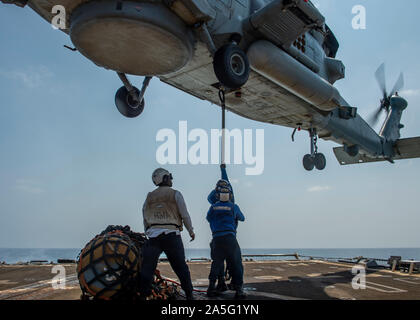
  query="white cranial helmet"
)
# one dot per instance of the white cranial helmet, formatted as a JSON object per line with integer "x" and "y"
{"x": 224, "y": 197}
{"x": 158, "y": 175}
{"x": 223, "y": 194}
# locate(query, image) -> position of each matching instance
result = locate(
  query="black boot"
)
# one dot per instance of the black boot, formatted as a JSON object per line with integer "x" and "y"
{"x": 221, "y": 285}
{"x": 211, "y": 290}
{"x": 190, "y": 296}
{"x": 240, "y": 293}
{"x": 230, "y": 286}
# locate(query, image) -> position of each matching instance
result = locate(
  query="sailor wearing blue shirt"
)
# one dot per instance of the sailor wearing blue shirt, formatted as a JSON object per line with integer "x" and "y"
{"x": 223, "y": 217}
{"x": 212, "y": 199}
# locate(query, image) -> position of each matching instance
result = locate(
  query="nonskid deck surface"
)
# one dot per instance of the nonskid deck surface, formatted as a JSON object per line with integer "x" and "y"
{"x": 284, "y": 280}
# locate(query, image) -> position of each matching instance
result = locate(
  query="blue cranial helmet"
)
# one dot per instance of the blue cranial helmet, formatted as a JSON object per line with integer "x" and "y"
{"x": 223, "y": 184}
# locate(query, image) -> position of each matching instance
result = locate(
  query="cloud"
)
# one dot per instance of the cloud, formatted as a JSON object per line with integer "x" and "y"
{"x": 28, "y": 186}
{"x": 410, "y": 92}
{"x": 247, "y": 184}
{"x": 31, "y": 77}
{"x": 319, "y": 188}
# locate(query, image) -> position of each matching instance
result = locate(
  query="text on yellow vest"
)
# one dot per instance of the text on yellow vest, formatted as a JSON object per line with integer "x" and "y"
{"x": 161, "y": 209}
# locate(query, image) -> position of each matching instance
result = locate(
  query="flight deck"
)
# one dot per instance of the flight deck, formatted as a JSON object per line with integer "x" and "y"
{"x": 263, "y": 280}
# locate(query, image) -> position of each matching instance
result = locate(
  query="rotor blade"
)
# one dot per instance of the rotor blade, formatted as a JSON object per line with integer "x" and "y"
{"x": 373, "y": 119}
{"x": 398, "y": 85}
{"x": 380, "y": 77}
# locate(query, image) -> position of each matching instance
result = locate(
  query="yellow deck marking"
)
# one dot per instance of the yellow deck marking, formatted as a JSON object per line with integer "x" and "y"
{"x": 314, "y": 275}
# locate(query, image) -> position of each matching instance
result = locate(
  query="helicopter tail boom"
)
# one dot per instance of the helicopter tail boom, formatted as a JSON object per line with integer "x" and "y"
{"x": 404, "y": 149}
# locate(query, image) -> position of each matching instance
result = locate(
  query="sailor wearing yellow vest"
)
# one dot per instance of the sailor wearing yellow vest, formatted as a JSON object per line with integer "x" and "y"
{"x": 164, "y": 213}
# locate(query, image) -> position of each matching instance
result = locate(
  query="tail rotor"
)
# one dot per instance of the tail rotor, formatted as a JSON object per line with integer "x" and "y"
{"x": 386, "y": 98}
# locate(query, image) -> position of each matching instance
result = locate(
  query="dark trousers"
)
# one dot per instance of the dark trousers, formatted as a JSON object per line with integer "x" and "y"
{"x": 171, "y": 244}
{"x": 221, "y": 276}
{"x": 227, "y": 248}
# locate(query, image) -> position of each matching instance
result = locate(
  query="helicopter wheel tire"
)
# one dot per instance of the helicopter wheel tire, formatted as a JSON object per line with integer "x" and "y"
{"x": 320, "y": 161}
{"x": 308, "y": 162}
{"x": 126, "y": 105}
{"x": 231, "y": 66}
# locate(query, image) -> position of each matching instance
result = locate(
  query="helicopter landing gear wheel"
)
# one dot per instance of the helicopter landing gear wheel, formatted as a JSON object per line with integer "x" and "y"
{"x": 308, "y": 162}
{"x": 319, "y": 161}
{"x": 126, "y": 104}
{"x": 130, "y": 100}
{"x": 314, "y": 159}
{"x": 231, "y": 66}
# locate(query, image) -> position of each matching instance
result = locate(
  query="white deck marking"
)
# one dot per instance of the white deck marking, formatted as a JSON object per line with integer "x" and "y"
{"x": 268, "y": 277}
{"x": 5, "y": 294}
{"x": 7, "y": 282}
{"x": 320, "y": 276}
{"x": 200, "y": 280}
{"x": 406, "y": 281}
{"x": 378, "y": 275}
{"x": 390, "y": 289}
{"x": 274, "y": 296}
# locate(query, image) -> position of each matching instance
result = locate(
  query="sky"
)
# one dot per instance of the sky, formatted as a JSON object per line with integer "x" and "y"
{"x": 70, "y": 164}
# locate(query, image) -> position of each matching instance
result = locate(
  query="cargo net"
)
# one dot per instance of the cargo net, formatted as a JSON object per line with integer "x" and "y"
{"x": 108, "y": 268}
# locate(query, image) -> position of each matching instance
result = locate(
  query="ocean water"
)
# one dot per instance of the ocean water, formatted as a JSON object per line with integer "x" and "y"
{"x": 10, "y": 255}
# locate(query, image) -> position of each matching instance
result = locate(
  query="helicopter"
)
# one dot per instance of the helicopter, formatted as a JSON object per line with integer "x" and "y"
{"x": 273, "y": 60}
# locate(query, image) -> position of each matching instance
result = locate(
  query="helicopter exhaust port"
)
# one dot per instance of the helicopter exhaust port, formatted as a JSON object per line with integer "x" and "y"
{"x": 138, "y": 38}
